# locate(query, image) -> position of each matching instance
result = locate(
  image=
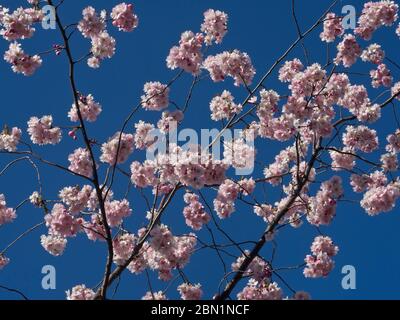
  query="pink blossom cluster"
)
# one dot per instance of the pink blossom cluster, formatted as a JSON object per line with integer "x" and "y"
{"x": 348, "y": 51}
{"x": 381, "y": 198}
{"x": 393, "y": 142}
{"x": 3, "y": 261}
{"x": 320, "y": 263}
{"x": 342, "y": 159}
{"x": 80, "y": 292}
{"x": 10, "y": 139}
{"x": 187, "y": 55}
{"x": 7, "y": 215}
{"x": 235, "y": 64}
{"x": 323, "y": 205}
{"x": 375, "y": 15}
{"x": 332, "y": 28}
{"x": 121, "y": 143}
{"x": 169, "y": 120}
{"x": 116, "y": 211}
{"x": 81, "y": 163}
{"x": 123, "y": 245}
{"x": 76, "y": 198}
{"x": 156, "y": 96}
{"x": 103, "y": 46}
{"x": 18, "y": 24}
{"x": 214, "y": 26}
{"x": 389, "y": 161}
{"x": 20, "y": 61}
{"x": 88, "y": 107}
{"x": 239, "y": 154}
{"x": 360, "y": 138}
{"x": 396, "y": 90}
{"x": 91, "y": 23}
{"x": 223, "y": 106}
{"x": 61, "y": 223}
{"x": 224, "y": 203}
{"x": 381, "y": 76}
{"x": 53, "y": 244}
{"x": 356, "y": 100}
{"x": 94, "y": 228}
{"x": 364, "y": 182}
{"x": 190, "y": 291}
{"x": 159, "y": 295}
{"x": 290, "y": 69}
{"x": 143, "y": 136}
{"x": 258, "y": 268}
{"x": 275, "y": 171}
{"x": 42, "y": 131}
{"x": 194, "y": 213}
{"x": 373, "y": 53}
{"x": 264, "y": 290}
{"x": 164, "y": 252}
{"x": 124, "y": 18}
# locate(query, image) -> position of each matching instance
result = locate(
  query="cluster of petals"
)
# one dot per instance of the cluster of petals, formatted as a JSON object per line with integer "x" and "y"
{"x": 342, "y": 159}
{"x": 258, "y": 268}
{"x": 156, "y": 96}
{"x": 194, "y": 213}
{"x": 116, "y": 211}
{"x": 7, "y": 215}
{"x": 190, "y": 291}
{"x": 122, "y": 144}
{"x": 124, "y": 18}
{"x": 61, "y": 223}
{"x": 42, "y": 131}
{"x": 320, "y": 263}
{"x": 53, "y": 244}
{"x": 143, "y": 135}
{"x": 123, "y": 245}
{"x": 214, "y": 26}
{"x": 373, "y": 53}
{"x": 348, "y": 51}
{"x": 80, "y": 292}
{"x": 360, "y": 138}
{"x": 159, "y": 295}
{"x": 80, "y": 162}
{"x": 290, "y": 69}
{"x": 9, "y": 139}
{"x": 20, "y": 61}
{"x": 263, "y": 290}
{"x": 76, "y": 198}
{"x": 88, "y": 108}
{"x": 332, "y": 28}
{"x": 187, "y": 55}
{"x": 224, "y": 203}
{"x": 375, "y": 15}
{"x": 235, "y": 64}
{"x": 381, "y": 76}
{"x": 18, "y": 24}
{"x": 223, "y": 106}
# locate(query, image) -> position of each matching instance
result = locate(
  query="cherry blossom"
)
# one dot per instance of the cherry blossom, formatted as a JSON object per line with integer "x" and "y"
{"x": 190, "y": 292}
{"x": 20, "y": 61}
{"x": 320, "y": 263}
{"x": 10, "y": 139}
{"x": 121, "y": 142}
{"x": 80, "y": 162}
{"x": 214, "y": 26}
{"x": 88, "y": 107}
{"x": 348, "y": 51}
{"x": 7, "y": 215}
{"x": 91, "y": 24}
{"x": 80, "y": 292}
{"x": 332, "y": 28}
{"x": 61, "y": 223}
{"x": 53, "y": 244}
{"x": 194, "y": 213}
{"x": 156, "y": 96}
{"x": 124, "y": 18}
{"x": 223, "y": 107}
{"x": 42, "y": 131}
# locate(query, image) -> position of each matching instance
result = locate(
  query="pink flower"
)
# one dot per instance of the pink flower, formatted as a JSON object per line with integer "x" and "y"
{"x": 53, "y": 244}
{"x": 223, "y": 107}
{"x": 190, "y": 292}
{"x": 61, "y": 223}
{"x": 154, "y": 296}
{"x": 389, "y": 161}
{"x": 342, "y": 159}
{"x": 396, "y": 90}
{"x": 214, "y": 26}
{"x": 91, "y": 24}
{"x": 89, "y": 109}
{"x": 80, "y": 292}
{"x": 380, "y": 199}
{"x": 3, "y": 261}
{"x": 393, "y": 142}
{"x": 320, "y": 263}
{"x": 332, "y": 28}
{"x": 121, "y": 143}
{"x": 42, "y": 131}
{"x": 81, "y": 163}
{"x": 235, "y": 64}
{"x": 95, "y": 228}
{"x": 263, "y": 290}
{"x": 21, "y": 62}
{"x": 194, "y": 213}
{"x": 7, "y": 215}
{"x": 373, "y": 53}
{"x": 375, "y": 15}
{"x": 124, "y": 18}
{"x": 360, "y": 138}
{"x": 187, "y": 55}
{"x": 143, "y": 135}
{"x": 143, "y": 175}
{"x": 156, "y": 96}
{"x": 103, "y": 46}
{"x": 76, "y": 198}
{"x": 258, "y": 268}
{"x": 116, "y": 211}
{"x": 10, "y": 139}
{"x": 381, "y": 76}
{"x": 123, "y": 247}
{"x": 290, "y": 69}
{"x": 224, "y": 203}
{"x": 18, "y": 25}
{"x": 348, "y": 51}
{"x": 239, "y": 154}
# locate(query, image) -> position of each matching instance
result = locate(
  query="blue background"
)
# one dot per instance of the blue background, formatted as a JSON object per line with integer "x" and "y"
{"x": 263, "y": 29}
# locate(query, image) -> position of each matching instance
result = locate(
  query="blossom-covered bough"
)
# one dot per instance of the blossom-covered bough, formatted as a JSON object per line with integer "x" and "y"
{"x": 323, "y": 124}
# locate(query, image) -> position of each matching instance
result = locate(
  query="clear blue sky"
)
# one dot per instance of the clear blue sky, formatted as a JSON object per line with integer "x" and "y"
{"x": 263, "y": 29}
